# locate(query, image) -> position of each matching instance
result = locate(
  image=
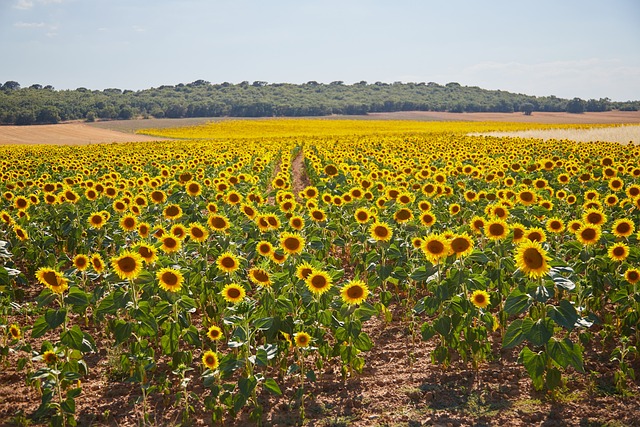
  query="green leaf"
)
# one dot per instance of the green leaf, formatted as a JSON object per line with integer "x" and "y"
{"x": 514, "y": 334}
{"x": 263, "y": 324}
{"x": 517, "y": 302}
{"x": 538, "y": 333}
{"x": 535, "y": 364}
{"x": 72, "y": 338}
{"x": 247, "y": 385}
{"x": 169, "y": 341}
{"x": 122, "y": 331}
{"x": 566, "y": 353}
{"x": 564, "y": 315}
{"x": 55, "y": 318}
{"x": 68, "y": 405}
{"x": 363, "y": 342}
{"x": 442, "y": 325}
{"x": 73, "y": 393}
{"x": 261, "y": 357}
{"x": 40, "y": 327}
{"x": 553, "y": 378}
{"x": 478, "y": 256}
{"x": 427, "y": 331}
{"x": 77, "y": 298}
{"x": 271, "y": 385}
{"x": 365, "y": 311}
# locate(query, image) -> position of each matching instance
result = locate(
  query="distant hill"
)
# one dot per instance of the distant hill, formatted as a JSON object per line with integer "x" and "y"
{"x": 38, "y": 104}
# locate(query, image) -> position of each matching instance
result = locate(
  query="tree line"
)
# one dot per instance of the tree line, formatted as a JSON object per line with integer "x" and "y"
{"x": 38, "y": 104}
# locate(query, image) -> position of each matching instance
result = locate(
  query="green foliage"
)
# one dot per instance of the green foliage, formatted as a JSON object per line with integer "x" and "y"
{"x": 38, "y": 104}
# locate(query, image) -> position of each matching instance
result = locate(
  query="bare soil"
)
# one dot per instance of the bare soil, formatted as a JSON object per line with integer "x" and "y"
{"x": 65, "y": 134}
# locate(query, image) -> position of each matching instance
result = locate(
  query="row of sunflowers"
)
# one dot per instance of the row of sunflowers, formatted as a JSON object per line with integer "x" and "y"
{"x": 252, "y": 254}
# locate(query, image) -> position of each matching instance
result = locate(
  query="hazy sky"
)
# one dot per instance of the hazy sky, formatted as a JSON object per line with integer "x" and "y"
{"x": 567, "y": 48}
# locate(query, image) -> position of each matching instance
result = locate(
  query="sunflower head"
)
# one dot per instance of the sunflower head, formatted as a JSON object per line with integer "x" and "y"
{"x": 532, "y": 259}
{"x": 480, "y": 299}
{"x": 210, "y": 360}
{"x": 623, "y": 227}
{"x": 214, "y": 333}
{"x": 128, "y": 265}
{"x": 632, "y": 275}
{"x": 170, "y": 279}
{"x": 461, "y": 245}
{"x": 435, "y": 247}
{"x": 354, "y": 292}
{"x": 302, "y": 339}
{"x": 264, "y": 248}
{"x": 292, "y": 243}
{"x": 81, "y": 262}
{"x": 618, "y": 252}
{"x": 52, "y": 279}
{"x": 380, "y": 231}
{"x": 318, "y": 282}
{"x": 260, "y": 277}
{"x": 50, "y": 357}
{"x": 15, "y": 332}
{"x": 496, "y": 229}
{"x": 227, "y": 262}
{"x": 233, "y": 293}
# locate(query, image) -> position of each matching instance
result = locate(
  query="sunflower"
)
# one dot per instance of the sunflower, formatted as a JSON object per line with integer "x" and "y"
{"x": 354, "y": 292}
{"x": 144, "y": 229}
{"x": 197, "y": 232}
{"x": 21, "y": 233}
{"x": 416, "y": 242}
{"x": 278, "y": 256}
{"x": 128, "y": 222}
{"x": 535, "y": 234}
{"x": 170, "y": 244}
{"x": 480, "y": 299}
{"x": 435, "y": 247}
{"x": 532, "y": 259}
{"x": 21, "y": 203}
{"x": 618, "y": 252}
{"x": 380, "y": 231}
{"x": 214, "y": 333}
{"x": 218, "y": 222}
{"x": 96, "y": 220}
{"x": 193, "y": 188}
{"x": 210, "y": 360}
{"x": 54, "y": 280}
{"x": 574, "y": 225}
{"x": 172, "y": 212}
{"x": 296, "y": 222}
{"x": 318, "y": 215}
{"x": 15, "y": 332}
{"x": 362, "y": 215}
{"x": 120, "y": 206}
{"x": 148, "y": 253}
{"x": 128, "y": 265}
{"x": 632, "y": 275}
{"x": 97, "y": 263}
{"x": 292, "y": 243}
{"x": 427, "y": 218}
{"x": 403, "y": 215}
{"x": 227, "y": 262}
{"x": 170, "y": 279}
{"x": 259, "y": 276}
{"x": 81, "y": 262}
{"x": 594, "y": 217}
{"x": 179, "y": 231}
{"x": 454, "y": 209}
{"x": 496, "y": 229}
{"x": 264, "y": 248}
{"x": 304, "y": 270}
{"x": 318, "y": 282}
{"x": 50, "y": 357}
{"x": 527, "y": 197}
{"x": 158, "y": 196}
{"x": 302, "y": 339}
{"x": 555, "y": 225}
{"x": 588, "y": 234}
{"x": 461, "y": 245}
{"x": 623, "y": 227}
{"x": 331, "y": 170}
{"x": 518, "y": 232}
{"x": 233, "y": 293}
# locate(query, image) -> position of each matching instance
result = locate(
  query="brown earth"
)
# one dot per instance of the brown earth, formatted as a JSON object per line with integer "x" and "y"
{"x": 537, "y": 117}
{"x": 65, "y": 134}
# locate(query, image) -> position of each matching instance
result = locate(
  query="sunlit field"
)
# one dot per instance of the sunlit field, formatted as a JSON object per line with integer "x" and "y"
{"x": 225, "y": 271}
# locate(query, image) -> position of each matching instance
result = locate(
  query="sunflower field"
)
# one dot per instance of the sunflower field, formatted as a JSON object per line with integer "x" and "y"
{"x": 217, "y": 266}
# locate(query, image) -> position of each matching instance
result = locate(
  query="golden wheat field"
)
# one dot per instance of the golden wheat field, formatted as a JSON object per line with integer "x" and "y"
{"x": 323, "y": 272}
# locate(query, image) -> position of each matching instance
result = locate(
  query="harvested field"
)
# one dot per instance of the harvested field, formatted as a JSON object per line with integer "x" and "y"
{"x": 64, "y": 134}
{"x": 537, "y": 117}
{"x": 624, "y": 134}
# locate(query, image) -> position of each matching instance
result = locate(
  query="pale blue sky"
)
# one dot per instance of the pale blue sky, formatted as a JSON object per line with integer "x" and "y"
{"x": 567, "y": 48}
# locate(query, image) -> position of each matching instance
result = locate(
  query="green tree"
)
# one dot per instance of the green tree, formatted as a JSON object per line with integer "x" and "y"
{"x": 527, "y": 108}
{"x": 576, "y": 106}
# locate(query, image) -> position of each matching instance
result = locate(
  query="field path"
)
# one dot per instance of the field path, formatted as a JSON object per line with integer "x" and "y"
{"x": 65, "y": 134}
{"x": 299, "y": 174}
